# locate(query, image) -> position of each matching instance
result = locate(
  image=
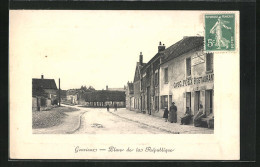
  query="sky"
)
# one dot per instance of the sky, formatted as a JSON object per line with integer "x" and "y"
{"x": 96, "y": 48}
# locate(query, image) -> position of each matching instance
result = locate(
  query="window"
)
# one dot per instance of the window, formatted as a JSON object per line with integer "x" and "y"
{"x": 164, "y": 101}
{"x": 209, "y": 62}
{"x": 188, "y": 66}
{"x": 156, "y": 79}
{"x": 166, "y": 75}
{"x": 141, "y": 88}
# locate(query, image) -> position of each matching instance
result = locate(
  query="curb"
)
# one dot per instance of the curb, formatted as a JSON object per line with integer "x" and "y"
{"x": 162, "y": 129}
{"x": 78, "y": 126}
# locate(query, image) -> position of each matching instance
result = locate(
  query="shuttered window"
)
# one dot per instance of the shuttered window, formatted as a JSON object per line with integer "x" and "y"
{"x": 156, "y": 79}
{"x": 188, "y": 66}
{"x": 209, "y": 61}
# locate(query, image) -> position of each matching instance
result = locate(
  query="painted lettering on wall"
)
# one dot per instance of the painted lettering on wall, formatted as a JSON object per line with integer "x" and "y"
{"x": 194, "y": 81}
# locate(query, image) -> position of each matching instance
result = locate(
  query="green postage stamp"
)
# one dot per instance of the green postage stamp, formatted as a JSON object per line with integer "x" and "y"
{"x": 220, "y": 32}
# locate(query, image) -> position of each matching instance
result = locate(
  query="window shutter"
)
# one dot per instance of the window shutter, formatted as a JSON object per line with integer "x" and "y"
{"x": 188, "y": 66}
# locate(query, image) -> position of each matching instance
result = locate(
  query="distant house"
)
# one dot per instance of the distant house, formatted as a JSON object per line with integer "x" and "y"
{"x": 138, "y": 100}
{"x": 129, "y": 95}
{"x": 102, "y": 98}
{"x": 44, "y": 93}
{"x": 73, "y": 96}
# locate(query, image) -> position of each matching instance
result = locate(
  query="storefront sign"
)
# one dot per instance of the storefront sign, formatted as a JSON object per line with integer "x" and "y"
{"x": 198, "y": 58}
{"x": 194, "y": 81}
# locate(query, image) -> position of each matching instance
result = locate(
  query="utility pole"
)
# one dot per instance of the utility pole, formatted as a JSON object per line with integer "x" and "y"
{"x": 59, "y": 92}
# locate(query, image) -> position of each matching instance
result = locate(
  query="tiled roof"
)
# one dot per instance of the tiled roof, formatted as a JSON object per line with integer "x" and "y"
{"x": 116, "y": 89}
{"x": 181, "y": 47}
{"x": 138, "y": 71}
{"x": 44, "y": 84}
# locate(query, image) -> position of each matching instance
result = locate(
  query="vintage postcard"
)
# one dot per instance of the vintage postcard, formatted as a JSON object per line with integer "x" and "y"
{"x": 124, "y": 84}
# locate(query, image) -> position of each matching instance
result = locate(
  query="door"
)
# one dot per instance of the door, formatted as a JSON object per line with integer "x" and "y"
{"x": 141, "y": 103}
{"x": 196, "y": 101}
{"x": 148, "y": 100}
{"x": 208, "y": 102}
{"x": 188, "y": 100}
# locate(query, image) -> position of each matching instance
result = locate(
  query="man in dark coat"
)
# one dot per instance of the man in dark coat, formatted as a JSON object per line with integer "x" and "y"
{"x": 115, "y": 105}
{"x": 187, "y": 117}
{"x": 107, "y": 107}
{"x": 173, "y": 113}
{"x": 165, "y": 114}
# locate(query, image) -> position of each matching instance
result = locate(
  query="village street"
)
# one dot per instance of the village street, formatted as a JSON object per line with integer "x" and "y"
{"x": 123, "y": 121}
{"x": 100, "y": 121}
{"x": 81, "y": 120}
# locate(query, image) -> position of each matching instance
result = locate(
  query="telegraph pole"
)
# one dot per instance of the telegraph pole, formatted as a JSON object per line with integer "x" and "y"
{"x": 59, "y": 92}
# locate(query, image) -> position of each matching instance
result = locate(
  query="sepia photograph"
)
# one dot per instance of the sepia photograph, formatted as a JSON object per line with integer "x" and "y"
{"x": 170, "y": 92}
{"x": 152, "y": 75}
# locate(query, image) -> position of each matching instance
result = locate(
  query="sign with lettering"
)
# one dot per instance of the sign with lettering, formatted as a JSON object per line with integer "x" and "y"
{"x": 194, "y": 81}
{"x": 198, "y": 58}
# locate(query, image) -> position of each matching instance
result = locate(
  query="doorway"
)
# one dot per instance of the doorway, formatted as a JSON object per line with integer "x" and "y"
{"x": 209, "y": 102}
{"x": 188, "y": 100}
{"x": 196, "y": 102}
{"x": 148, "y": 100}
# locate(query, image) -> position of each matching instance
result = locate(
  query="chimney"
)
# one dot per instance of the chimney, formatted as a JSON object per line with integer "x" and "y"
{"x": 42, "y": 77}
{"x": 106, "y": 87}
{"x": 141, "y": 59}
{"x": 161, "y": 47}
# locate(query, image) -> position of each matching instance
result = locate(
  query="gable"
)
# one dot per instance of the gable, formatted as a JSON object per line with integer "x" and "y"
{"x": 137, "y": 74}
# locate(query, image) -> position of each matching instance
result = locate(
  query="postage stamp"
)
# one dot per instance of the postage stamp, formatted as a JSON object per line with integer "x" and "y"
{"x": 220, "y": 32}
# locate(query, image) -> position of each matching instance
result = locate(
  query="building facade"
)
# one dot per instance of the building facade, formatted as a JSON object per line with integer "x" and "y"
{"x": 136, "y": 99}
{"x": 44, "y": 93}
{"x": 187, "y": 78}
{"x": 129, "y": 95}
{"x": 150, "y": 92}
{"x": 181, "y": 73}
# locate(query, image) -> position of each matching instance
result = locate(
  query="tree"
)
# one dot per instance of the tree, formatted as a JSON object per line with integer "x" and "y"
{"x": 91, "y": 88}
{"x": 83, "y": 88}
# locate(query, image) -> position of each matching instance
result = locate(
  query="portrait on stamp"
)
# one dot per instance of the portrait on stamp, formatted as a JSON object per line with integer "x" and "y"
{"x": 220, "y": 32}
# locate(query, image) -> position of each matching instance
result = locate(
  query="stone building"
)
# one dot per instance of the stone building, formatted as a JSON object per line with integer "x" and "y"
{"x": 150, "y": 92}
{"x": 136, "y": 100}
{"x": 187, "y": 77}
{"x": 129, "y": 95}
{"x": 44, "y": 93}
{"x": 182, "y": 73}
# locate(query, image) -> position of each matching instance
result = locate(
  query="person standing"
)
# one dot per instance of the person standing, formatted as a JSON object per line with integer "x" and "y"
{"x": 115, "y": 106}
{"x": 107, "y": 107}
{"x": 173, "y": 113}
{"x": 165, "y": 114}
